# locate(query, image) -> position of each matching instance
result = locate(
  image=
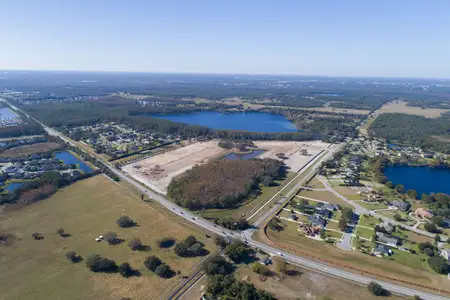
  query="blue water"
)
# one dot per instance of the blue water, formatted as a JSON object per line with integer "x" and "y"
{"x": 237, "y": 156}
{"x": 328, "y": 94}
{"x": 11, "y": 187}
{"x": 248, "y": 121}
{"x": 422, "y": 179}
{"x": 69, "y": 159}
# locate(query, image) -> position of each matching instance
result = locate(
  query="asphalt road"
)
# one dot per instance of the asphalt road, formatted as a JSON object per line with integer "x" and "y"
{"x": 246, "y": 235}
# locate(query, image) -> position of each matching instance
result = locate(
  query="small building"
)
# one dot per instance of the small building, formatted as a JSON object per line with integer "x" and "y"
{"x": 317, "y": 220}
{"x": 323, "y": 212}
{"x": 331, "y": 207}
{"x": 404, "y": 206}
{"x": 381, "y": 250}
{"x": 267, "y": 261}
{"x": 387, "y": 239}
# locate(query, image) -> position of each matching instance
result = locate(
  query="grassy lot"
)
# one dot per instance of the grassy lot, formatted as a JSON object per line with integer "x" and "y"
{"x": 348, "y": 192}
{"x": 316, "y": 184}
{"x": 324, "y": 196}
{"x": 408, "y": 259}
{"x": 373, "y": 206}
{"x": 367, "y": 220}
{"x": 31, "y": 149}
{"x": 364, "y": 232}
{"x": 405, "y": 218}
{"x": 333, "y": 234}
{"x": 251, "y": 205}
{"x": 287, "y": 214}
{"x": 87, "y": 209}
{"x": 401, "y": 107}
{"x": 291, "y": 241}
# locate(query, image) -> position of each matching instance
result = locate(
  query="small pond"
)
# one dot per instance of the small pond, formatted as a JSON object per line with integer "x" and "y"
{"x": 69, "y": 159}
{"x": 11, "y": 187}
{"x": 243, "y": 156}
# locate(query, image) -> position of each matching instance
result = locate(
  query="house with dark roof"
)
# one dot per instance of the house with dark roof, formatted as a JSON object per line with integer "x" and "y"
{"x": 404, "y": 206}
{"x": 323, "y": 212}
{"x": 387, "y": 239}
{"x": 331, "y": 207}
{"x": 381, "y": 250}
{"x": 317, "y": 220}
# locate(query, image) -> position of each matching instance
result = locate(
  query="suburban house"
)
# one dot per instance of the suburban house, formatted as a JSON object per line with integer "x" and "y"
{"x": 424, "y": 213}
{"x": 317, "y": 220}
{"x": 404, "y": 206}
{"x": 381, "y": 250}
{"x": 387, "y": 239}
{"x": 323, "y": 212}
{"x": 331, "y": 207}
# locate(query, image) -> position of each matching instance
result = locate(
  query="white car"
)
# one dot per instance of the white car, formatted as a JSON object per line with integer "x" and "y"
{"x": 280, "y": 254}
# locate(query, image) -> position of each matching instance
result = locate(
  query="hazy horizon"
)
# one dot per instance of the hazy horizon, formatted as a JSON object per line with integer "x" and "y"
{"x": 349, "y": 38}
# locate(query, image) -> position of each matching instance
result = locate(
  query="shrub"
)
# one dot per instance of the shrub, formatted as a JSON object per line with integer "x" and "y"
{"x": 37, "y": 236}
{"x": 135, "y": 244}
{"x": 430, "y": 227}
{"x": 164, "y": 271}
{"x": 111, "y": 238}
{"x": 97, "y": 263}
{"x": 73, "y": 257}
{"x": 152, "y": 262}
{"x": 189, "y": 247}
{"x": 220, "y": 241}
{"x": 237, "y": 251}
{"x": 274, "y": 224}
{"x": 217, "y": 265}
{"x": 438, "y": 264}
{"x": 261, "y": 269}
{"x": 377, "y": 289}
{"x": 429, "y": 251}
{"x": 125, "y": 270}
{"x": 125, "y": 222}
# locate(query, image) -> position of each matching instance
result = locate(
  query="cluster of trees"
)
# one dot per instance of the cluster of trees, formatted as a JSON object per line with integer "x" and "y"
{"x": 190, "y": 247}
{"x": 217, "y": 265}
{"x": 346, "y": 217}
{"x": 238, "y": 251}
{"x": 440, "y": 203}
{"x": 125, "y": 222}
{"x": 377, "y": 289}
{"x": 227, "y": 287}
{"x": 161, "y": 269}
{"x": 419, "y": 131}
{"x": 275, "y": 225}
{"x": 232, "y": 224}
{"x": 28, "y": 128}
{"x": 223, "y": 183}
{"x": 97, "y": 263}
{"x": 436, "y": 262}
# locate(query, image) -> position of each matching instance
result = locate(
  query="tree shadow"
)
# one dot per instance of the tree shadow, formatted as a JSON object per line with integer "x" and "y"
{"x": 116, "y": 241}
{"x": 144, "y": 248}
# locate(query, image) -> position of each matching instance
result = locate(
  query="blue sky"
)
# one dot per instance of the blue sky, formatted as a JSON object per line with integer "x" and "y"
{"x": 349, "y": 38}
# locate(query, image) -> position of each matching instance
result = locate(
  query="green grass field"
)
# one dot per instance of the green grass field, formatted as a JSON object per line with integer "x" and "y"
{"x": 367, "y": 220}
{"x": 323, "y": 196}
{"x": 38, "y": 269}
{"x": 373, "y": 206}
{"x": 364, "y": 232}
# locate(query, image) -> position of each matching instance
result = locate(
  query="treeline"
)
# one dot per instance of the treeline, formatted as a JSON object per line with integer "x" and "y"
{"x": 21, "y": 130}
{"x": 223, "y": 183}
{"x": 418, "y": 131}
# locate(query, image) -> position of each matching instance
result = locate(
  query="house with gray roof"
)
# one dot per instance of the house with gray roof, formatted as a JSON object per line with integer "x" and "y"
{"x": 387, "y": 239}
{"x": 317, "y": 220}
{"x": 381, "y": 250}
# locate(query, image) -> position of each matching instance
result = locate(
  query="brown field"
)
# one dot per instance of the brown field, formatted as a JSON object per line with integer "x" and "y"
{"x": 30, "y": 149}
{"x": 295, "y": 161}
{"x": 38, "y": 269}
{"x": 413, "y": 271}
{"x": 158, "y": 171}
{"x": 401, "y": 107}
{"x": 338, "y": 110}
{"x": 305, "y": 284}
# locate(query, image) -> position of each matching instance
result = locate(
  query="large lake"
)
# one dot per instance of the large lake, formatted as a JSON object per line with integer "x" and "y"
{"x": 248, "y": 121}
{"x": 69, "y": 159}
{"x": 422, "y": 179}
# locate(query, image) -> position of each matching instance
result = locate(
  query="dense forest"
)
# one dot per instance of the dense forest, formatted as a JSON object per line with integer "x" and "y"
{"x": 433, "y": 134}
{"x": 223, "y": 183}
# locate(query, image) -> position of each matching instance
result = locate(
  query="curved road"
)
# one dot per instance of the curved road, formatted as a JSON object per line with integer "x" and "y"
{"x": 246, "y": 235}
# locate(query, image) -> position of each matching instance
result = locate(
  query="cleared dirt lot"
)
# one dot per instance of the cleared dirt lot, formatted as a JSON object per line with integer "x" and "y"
{"x": 401, "y": 107}
{"x": 31, "y": 149}
{"x": 292, "y": 151}
{"x": 157, "y": 171}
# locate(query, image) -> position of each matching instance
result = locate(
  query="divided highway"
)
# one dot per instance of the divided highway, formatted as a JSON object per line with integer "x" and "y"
{"x": 246, "y": 235}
